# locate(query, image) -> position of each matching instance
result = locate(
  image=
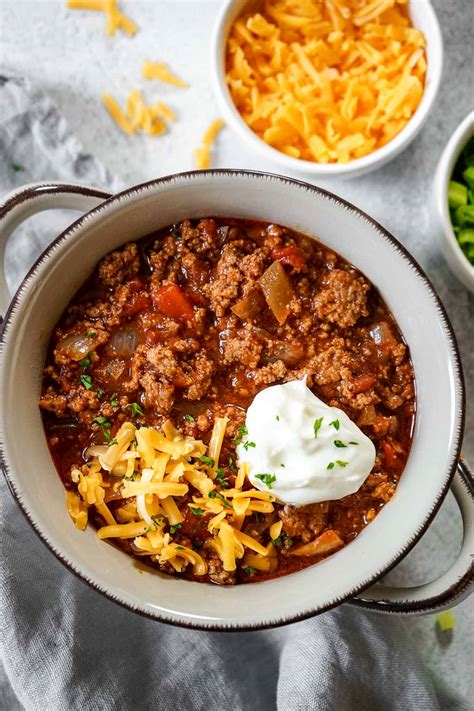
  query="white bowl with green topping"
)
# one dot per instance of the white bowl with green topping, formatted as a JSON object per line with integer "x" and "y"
{"x": 456, "y": 257}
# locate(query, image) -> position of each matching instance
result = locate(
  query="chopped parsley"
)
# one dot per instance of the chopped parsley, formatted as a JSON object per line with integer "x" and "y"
{"x": 282, "y": 465}
{"x": 223, "y": 481}
{"x": 335, "y": 424}
{"x": 247, "y": 444}
{"x": 232, "y": 466}
{"x": 180, "y": 548}
{"x": 206, "y": 460}
{"x": 85, "y": 362}
{"x": 331, "y": 465}
{"x": 17, "y": 167}
{"x": 113, "y": 441}
{"x": 216, "y": 495}
{"x": 175, "y": 527}
{"x": 135, "y": 409}
{"x": 196, "y": 511}
{"x": 91, "y": 334}
{"x": 100, "y": 392}
{"x": 267, "y": 479}
{"x": 189, "y": 418}
{"x": 248, "y": 570}
{"x": 357, "y": 443}
{"x": 86, "y": 380}
{"x": 338, "y": 443}
{"x": 104, "y": 424}
{"x": 317, "y": 425}
{"x": 278, "y": 418}
{"x": 278, "y": 542}
{"x": 241, "y": 433}
{"x": 113, "y": 401}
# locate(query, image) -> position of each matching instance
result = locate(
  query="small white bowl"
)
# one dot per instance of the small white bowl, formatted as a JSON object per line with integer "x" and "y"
{"x": 455, "y": 257}
{"x": 422, "y": 16}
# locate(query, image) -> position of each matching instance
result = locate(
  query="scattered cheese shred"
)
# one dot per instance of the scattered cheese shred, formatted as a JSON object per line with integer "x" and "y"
{"x": 152, "y": 70}
{"x": 138, "y": 116}
{"x": 202, "y": 154}
{"x": 326, "y": 81}
{"x": 156, "y": 474}
{"x": 116, "y": 20}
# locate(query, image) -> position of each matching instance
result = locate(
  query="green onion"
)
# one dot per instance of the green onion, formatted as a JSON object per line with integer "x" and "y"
{"x": 175, "y": 527}
{"x": 135, "y": 409}
{"x": 189, "y": 418}
{"x": 457, "y": 194}
{"x": 206, "y": 460}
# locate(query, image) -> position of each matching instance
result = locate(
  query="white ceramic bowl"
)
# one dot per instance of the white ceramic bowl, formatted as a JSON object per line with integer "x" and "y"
{"x": 423, "y": 17}
{"x": 452, "y": 251}
{"x": 70, "y": 259}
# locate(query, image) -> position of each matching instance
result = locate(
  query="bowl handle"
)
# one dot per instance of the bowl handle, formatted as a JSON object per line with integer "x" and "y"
{"x": 18, "y": 205}
{"x": 451, "y": 587}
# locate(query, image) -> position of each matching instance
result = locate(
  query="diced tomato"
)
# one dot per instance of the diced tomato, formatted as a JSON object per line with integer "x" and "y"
{"x": 291, "y": 256}
{"x": 363, "y": 383}
{"x": 137, "y": 303}
{"x": 171, "y": 301}
{"x": 391, "y": 456}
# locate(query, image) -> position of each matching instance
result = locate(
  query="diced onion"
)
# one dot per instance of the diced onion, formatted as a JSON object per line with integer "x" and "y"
{"x": 278, "y": 291}
{"x": 123, "y": 343}
{"x": 76, "y": 346}
{"x": 326, "y": 542}
{"x": 250, "y": 307}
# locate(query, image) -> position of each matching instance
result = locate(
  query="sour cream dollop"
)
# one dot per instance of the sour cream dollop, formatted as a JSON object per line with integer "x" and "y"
{"x": 301, "y": 449}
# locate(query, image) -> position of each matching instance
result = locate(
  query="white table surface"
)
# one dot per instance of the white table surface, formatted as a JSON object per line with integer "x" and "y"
{"x": 67, "y": 54}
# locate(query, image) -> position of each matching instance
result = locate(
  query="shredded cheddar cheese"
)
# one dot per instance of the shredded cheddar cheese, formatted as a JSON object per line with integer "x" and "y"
{"x": 325, "y": 80}
{"x": 116, "y": 20}
{"x": 202, "y": 154}
{"x": 160, "y": 71}
{"x": 160, "y": 478}
{"x": 138, "y": 116}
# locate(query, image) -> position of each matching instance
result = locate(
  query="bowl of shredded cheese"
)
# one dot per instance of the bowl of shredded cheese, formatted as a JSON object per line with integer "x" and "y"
{"x": 327, "y": 87}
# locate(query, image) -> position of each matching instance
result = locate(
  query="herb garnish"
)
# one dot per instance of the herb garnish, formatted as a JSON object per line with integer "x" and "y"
{"x": 241, "y": 433}
{"x": 317, "y": 425}
{"x": 17, "y": 167}
{"x": 278, "y": 418}
{"x": 104, "y": 424}
{"x": 206, "y": 460}
{"x": 91, "y": 334}
{"x": 339, "y": 463}
{"x": 86, "y": 380}
{"x": 133, "y": 478}
{"x": 248, "y": 444}
{"x": 278, "y": 542}
{"x": 232, "y": 466}
{"x": 85, "y": 362}
{"x": 175, "y": 527}
{"x": 135, "y": 409}
{"x": 248, "y": 569}
{"x": 354, "y": 443}
{"x": 282, "y": 465}
{"x": 189, "y": 418}
{"x": 113, "y": 400}
{"x": 100, "y": 392}
{"x": 331, "y": 465}
{"x": 335, "y": 424}
{"x": 267, "y": 479}
{"x": 113, "y": 441}
{"x": 216, "y": 495}
{"x": 197, "y": 511}
{"x": 223, "y": 481}
{"x": 338, "y": 443}
{"x": 158, "y": 520}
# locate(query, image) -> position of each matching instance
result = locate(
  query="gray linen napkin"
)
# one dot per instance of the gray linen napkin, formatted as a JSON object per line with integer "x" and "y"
{"x": 65, "y": 647}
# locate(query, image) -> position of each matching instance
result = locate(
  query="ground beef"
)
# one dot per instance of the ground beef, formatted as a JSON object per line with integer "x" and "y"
{"x": 343, "y": 298}
{"x": 119, "y": 266}
{"x": 305, "y": 522}
{"x": 216, "y": 572}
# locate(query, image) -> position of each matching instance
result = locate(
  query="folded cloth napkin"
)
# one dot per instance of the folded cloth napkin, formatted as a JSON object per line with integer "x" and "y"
{"x": 65, "y": 647}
